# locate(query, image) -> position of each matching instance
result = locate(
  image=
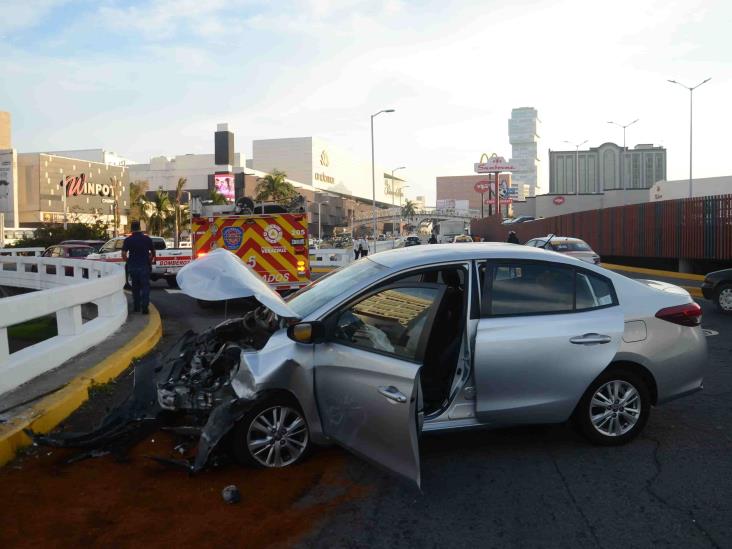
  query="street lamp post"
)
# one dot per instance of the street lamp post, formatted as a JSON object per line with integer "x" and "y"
{"x": 691, "y": 127}
{"x": 576, "y": 164}
{"x": 320, "y": 230}
{"x": 400, "y": 210}
{"x": 373, "y": 174}
{"x": 622, "y": 156}
{"x": 393, "y": 240}
{"x": 190, "y": 215}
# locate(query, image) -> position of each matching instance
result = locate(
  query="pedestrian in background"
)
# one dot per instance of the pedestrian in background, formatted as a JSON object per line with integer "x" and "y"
{"x": 138, "y": 253}
{"x": 512, "y": 238}
{"x": 433, "y": 239}
{"x": 365, "y": 247}
{"x": 356, "y": 248}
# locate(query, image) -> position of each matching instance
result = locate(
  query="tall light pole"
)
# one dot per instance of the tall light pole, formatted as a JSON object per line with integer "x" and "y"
{"x": 622, "y": 156}
{"x": 400, "y": 210}
{"x": 691, "y": 126}
{"x": 393, "y": 240}
{"x": 373, "y": 175}
{"x": 320, "y": 230}
{"x": 576, "y": 164}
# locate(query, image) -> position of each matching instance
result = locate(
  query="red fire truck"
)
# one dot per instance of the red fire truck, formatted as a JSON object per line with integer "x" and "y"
{"x": 274, "y": 245}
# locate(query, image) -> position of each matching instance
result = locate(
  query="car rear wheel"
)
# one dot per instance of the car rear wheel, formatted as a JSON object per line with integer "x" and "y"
{"x": 274, "y": 434}
{"x": 724, "y": 298}
{"x": 614, "y": 409}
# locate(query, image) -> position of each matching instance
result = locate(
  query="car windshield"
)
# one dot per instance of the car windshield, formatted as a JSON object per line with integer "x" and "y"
{"x": 320, "y": 292}
{"x": 571, "y": 246}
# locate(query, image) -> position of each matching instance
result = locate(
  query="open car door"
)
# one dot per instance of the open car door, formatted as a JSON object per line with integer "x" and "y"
{"x": 367, "y": 374}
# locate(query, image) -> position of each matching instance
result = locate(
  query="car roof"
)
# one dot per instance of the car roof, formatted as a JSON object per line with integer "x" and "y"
{"x": 72, "y": 245}
{"x": 564, "y": 238}
{"x": 404, "y": 258}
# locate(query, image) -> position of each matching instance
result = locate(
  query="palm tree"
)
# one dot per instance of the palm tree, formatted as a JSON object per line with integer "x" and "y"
{"x": 409, "y": 209}
{"x": 217, "y": 198}
{"x": 138, "y": 202}
{"x": 274, "y": 187}
{"x": 160, "y": 211}
{"x": 176, "y": 208}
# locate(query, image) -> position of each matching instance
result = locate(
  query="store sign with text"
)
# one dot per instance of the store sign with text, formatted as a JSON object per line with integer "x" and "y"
{"x": 492, "y": 164}
{"x": 79, "y": 185}
{"x": 558, "y": 200}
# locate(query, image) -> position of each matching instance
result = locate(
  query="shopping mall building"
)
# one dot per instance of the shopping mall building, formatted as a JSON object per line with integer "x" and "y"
{"x": 38, "y": 188}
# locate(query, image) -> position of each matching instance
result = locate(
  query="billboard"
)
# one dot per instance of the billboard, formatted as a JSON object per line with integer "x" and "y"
{"x": 452, "y": 204}
{"x": 224, "y": 185}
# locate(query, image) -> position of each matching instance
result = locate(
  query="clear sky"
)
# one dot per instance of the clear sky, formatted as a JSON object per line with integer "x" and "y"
{"x": 150, "y": 77}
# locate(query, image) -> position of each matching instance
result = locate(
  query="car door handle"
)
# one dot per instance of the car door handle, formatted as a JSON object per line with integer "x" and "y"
{"x": 590, "y": 339}
{"x": 392, "y": 393}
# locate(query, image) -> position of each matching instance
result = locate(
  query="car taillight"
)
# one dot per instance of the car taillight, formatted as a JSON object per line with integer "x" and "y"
{"x": 689, "y": 314}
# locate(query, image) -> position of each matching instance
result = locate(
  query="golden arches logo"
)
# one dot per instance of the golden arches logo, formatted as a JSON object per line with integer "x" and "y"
{"x": 324, "y": 160}
{"x": 485, "y": 158}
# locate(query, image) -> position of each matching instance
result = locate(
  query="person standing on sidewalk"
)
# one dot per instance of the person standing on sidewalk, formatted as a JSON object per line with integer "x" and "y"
{"x": 138, "y": 253}
{"x": 356, "y": 248}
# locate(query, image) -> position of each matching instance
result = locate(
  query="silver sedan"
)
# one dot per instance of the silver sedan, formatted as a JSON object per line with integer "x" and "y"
{"x": 421, "y": 339}
{"x": 448, "y": 337}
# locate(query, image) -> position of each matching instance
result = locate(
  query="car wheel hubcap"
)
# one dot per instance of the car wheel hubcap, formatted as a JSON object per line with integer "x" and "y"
{"x": 277, "y": 437}
{"x": 615, "y": 408}
{"x": 725, "y": 299}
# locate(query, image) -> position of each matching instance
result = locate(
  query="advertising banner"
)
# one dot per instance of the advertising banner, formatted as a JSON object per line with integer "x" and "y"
{"x": 8, "y": 196}
{"x": 224, "y": 185}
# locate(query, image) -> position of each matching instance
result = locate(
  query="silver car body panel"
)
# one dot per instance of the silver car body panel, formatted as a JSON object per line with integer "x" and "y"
{"x": 518, "y": 369}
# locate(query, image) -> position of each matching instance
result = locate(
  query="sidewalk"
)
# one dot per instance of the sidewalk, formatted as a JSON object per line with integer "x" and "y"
{"x": 48, "y": 399}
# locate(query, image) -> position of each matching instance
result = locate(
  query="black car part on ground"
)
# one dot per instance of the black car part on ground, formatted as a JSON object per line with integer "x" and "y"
{"x": 193, "y": 380}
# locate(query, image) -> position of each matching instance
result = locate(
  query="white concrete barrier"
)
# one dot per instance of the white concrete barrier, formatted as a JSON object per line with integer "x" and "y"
{"x": 331, "y": 257}
{"x": 21, "y": 251}
{"x": 64, "y": 286}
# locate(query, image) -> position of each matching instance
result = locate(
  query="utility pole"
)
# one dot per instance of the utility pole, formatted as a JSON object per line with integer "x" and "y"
{"x": 373, "y": 174}
{"x": 691, "y": 128}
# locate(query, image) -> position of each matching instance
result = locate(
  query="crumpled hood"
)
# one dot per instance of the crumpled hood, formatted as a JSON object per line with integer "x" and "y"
{"x": 221, "y": 275}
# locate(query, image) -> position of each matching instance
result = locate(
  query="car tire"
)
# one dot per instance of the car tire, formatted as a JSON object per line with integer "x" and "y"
{"x": 604, "y": 418}
{"x": 172, "y": 282}
{"x": 257, "y": 440}
{"x": 723, "y": 299}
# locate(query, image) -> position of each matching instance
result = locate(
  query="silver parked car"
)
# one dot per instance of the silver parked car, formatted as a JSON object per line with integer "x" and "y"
{"x": 426, "y": 339}
{"x": 566, "y": 245}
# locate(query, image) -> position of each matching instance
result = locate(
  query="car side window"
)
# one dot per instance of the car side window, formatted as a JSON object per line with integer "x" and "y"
{"x": 118, "y": 244}
{"x": 593, "y": 291}
{"x": 390, "y": 321}
{"x": 529, "y": 288}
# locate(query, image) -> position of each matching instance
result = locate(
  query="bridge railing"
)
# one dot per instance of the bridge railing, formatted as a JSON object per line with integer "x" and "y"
{"x": 63, "y": 287}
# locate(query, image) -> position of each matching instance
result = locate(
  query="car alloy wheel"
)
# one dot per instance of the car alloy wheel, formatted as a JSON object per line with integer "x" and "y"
{"x": 615, "y": 408}
{"x": 724, "y": 299}
{"x": 277, "y": 436}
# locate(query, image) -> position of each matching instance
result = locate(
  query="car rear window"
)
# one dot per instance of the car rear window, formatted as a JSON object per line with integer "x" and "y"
{"x": 573, "y": 246}
{"x": 79, "y": 252}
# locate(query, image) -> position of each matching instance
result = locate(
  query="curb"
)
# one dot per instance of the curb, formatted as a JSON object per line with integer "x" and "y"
{"x": 641, "y": 270}
{"x": 48, "y": 412}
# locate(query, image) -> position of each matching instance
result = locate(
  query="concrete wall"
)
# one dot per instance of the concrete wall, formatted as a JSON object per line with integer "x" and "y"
{"x": 679, "y": 188}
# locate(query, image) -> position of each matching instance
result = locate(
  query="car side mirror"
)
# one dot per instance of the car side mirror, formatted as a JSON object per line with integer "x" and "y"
{"x": 307, "y": 332}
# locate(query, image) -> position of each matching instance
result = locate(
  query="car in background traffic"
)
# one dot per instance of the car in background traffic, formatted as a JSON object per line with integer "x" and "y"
{"x": 412, "y": 240}
{"x": 519, "y": 219}
{"x": 573, "y": 247}
{"x": 717, "y": 287}
{"x": 462, "y": 238}
{"x": 96, "y": 244}
{"x": 69, "y": 251}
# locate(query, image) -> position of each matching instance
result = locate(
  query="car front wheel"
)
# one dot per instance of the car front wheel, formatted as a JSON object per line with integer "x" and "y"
{"x": 614, "y": 409}
{"x": 724, "y": 298}
{"x": 274, "y": 434}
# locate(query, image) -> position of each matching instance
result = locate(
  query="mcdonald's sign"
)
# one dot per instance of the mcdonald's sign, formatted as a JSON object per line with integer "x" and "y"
{"x": 492, "y": 164}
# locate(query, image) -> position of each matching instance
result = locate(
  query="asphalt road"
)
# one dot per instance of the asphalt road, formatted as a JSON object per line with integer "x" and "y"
{"x": 544, "y": 486}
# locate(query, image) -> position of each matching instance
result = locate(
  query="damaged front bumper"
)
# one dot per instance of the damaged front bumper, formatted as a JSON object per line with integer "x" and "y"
{"x": 193, "y": 380}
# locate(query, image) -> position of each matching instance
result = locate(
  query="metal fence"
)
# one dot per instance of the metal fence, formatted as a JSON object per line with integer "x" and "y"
{"x": 689, "y": 228}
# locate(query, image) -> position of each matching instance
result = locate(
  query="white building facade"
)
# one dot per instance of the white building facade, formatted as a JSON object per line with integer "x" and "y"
{"x": 314, "y": 161}
{"x": 679, "y": 188}
{"x": 523, "y": 134}
{"x": 163, "y": 172}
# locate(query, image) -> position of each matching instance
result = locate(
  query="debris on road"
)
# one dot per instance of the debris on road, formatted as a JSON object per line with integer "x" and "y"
{"x": 231, "y": 494}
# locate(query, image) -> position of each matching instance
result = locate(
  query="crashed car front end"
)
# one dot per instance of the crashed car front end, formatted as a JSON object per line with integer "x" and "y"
{"x": 205, "y": 384}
